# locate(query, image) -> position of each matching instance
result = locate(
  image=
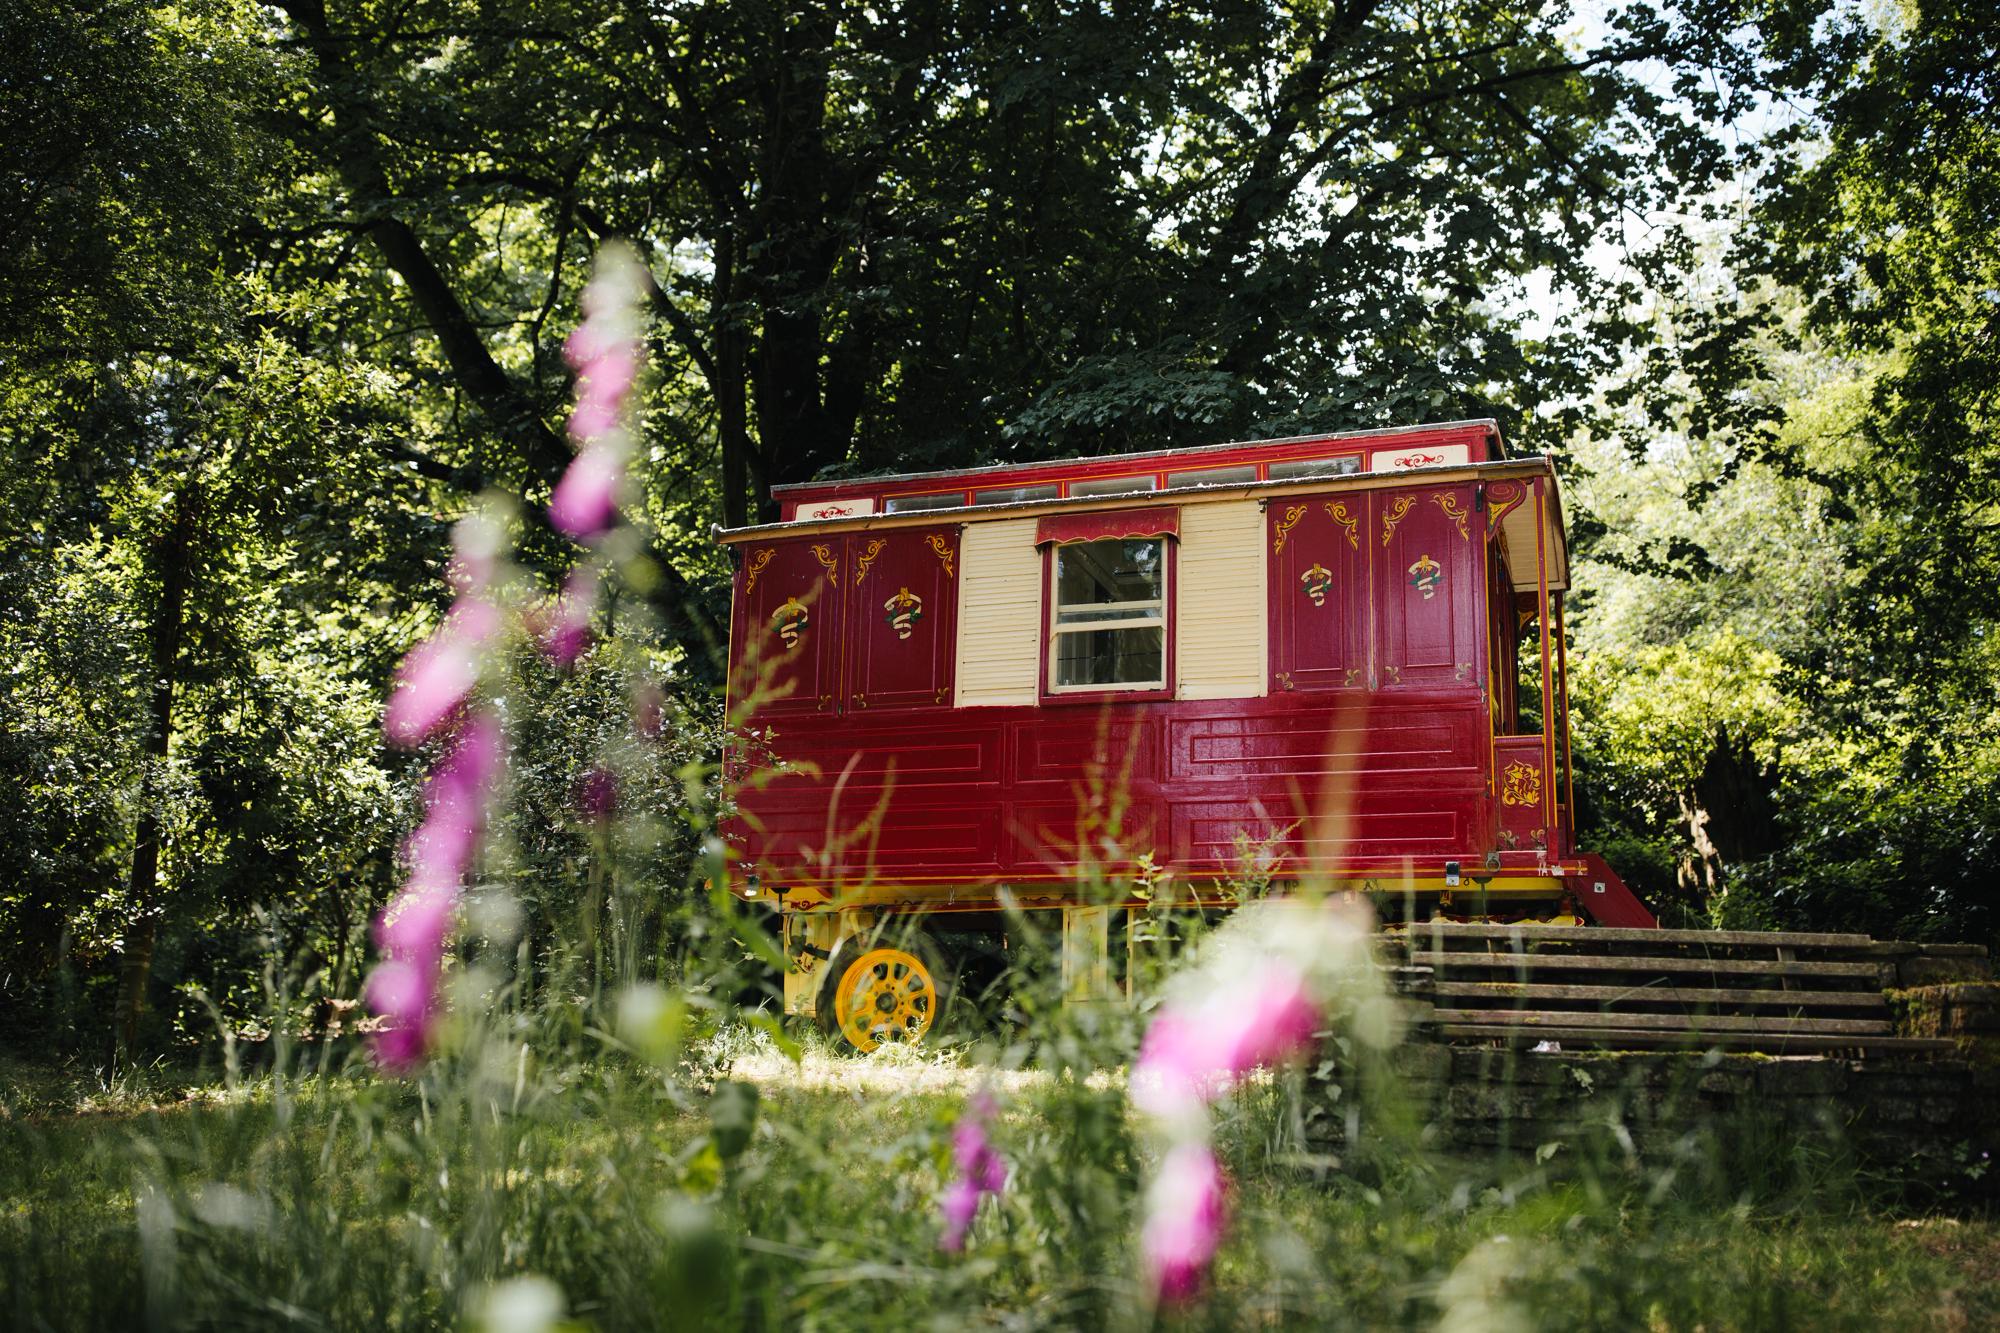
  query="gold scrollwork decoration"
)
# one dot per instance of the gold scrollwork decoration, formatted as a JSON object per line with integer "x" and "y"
{"x": 867, "y": 559}
{"x": 756, "y": 567}
{"x": 1521, "y": 785}
{"x": 1462, "y": 672}
{"x": 1337, "y": 511}
{"x": 1454, "y": 511}
{"x": 944, "y": 552}
{"x": 1293, "y": 513}
{"x": 1394, "y": 515}
{"x": 828, "y": 560}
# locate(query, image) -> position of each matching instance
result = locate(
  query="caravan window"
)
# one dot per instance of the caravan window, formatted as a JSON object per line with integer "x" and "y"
{"x": 1110, "y": 622}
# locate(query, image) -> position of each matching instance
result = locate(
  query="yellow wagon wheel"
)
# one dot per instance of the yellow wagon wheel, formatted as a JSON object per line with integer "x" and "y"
{"x": 885, "y": 994}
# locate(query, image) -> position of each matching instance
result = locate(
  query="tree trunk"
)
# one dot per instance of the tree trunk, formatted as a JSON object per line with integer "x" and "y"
{"x": 732, "y": 424}
{"x": 173, "y": 564}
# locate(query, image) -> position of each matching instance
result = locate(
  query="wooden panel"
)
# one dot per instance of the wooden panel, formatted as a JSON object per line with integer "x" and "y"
{"x": 978, "y": 796}
{"x": 1092, "y": 746}
{"x": 999, "y": 614}
{"x": 1220, "y": 602}
{"x": 1635, "y": 1039}
{"x": 787, "y": 634}
{"x": 1734, "y": 967}
{"x": 872, "y": 761}
{"x": 1519, "y": 785}
{"x": 902, "y": 610}
{"x": 1315, "y": 742}
{"x": 1598, "y": 936}
{"x": 1492, "y": 992}
{"x": 1426, "y": 583}
{"x": 1670, "y": 1022}
{"x": 1082, "y": 828}
{"x": 1318, "y": 593}
{"x": 862, "y": 840}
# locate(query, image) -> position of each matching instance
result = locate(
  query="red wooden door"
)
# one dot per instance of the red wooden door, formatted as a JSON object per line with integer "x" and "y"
{"x": 901, "y": 617}
{"x": 1426, "y": 582}
{"x": 1319, "y": 592}
{"x": 788, "y": 627}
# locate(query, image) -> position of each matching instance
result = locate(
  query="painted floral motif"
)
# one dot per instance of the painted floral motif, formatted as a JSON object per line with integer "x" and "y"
{"x": 1521, "y": 785}
{"x": 791, "y": 620}
{"x": 1426, "y": 576}
{"x": 903, "y": 611}
{"x": 1318, "y": 581}
{"x": 756, "y": 567}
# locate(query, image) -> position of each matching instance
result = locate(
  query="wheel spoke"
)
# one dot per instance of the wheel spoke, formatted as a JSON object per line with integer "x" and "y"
{"x": 886, "y": 994}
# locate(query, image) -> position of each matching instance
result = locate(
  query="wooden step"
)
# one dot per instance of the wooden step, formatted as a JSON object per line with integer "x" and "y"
{"x": 1773, "y": 1023}
{"x": 1541, "y": 962}
{"x": 1649, "y": 994}
{"x": 1734, "y": 939}
{"x": 1642, "y": 1039}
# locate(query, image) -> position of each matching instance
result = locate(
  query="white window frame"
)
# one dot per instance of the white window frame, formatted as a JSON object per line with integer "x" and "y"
{"x": 1141, "y": 618}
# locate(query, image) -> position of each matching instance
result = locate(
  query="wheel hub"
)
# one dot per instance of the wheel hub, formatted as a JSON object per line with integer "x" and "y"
{"x": 885, "y": 995}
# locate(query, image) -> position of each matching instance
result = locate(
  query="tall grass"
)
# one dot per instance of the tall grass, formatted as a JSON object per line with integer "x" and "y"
{"x": 615, "y": 1152}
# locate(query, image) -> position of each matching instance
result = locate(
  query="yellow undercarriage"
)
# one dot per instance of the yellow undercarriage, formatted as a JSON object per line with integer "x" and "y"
{"x": 822, "y": 932}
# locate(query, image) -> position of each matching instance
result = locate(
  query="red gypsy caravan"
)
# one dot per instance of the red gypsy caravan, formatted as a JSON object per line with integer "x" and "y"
{"x": 1336, "y": 659}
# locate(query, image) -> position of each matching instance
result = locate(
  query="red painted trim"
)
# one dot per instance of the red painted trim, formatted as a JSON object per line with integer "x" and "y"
{"x": 1481, "y": 440}
{"x": 1071, "y": 529}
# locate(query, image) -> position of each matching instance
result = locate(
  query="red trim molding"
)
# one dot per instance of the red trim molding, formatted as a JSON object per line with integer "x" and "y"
{"x": 1069, "y": 529}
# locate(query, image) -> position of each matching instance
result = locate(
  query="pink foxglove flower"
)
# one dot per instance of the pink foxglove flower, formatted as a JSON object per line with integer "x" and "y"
{"x": 1192, "y": 1051}
{"x": 564, "y": 631}
{"x": 439, "y": 672}
{"x": 585, "y": 503}
{"x": 649, "y": 711}
{"x": 1186, "y": 1211}
{"x": 606, "y": 355}
{"x": 596, "y": 794}
{"x": 981, "y": 1170}
{"x": 415, "y": 928}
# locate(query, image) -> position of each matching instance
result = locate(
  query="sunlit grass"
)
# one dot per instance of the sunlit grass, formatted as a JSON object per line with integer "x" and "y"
{"x": 355, "y": 1201}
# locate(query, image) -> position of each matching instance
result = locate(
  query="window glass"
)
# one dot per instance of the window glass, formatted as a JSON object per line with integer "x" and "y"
{"x": 1107, "y": 658}
{"x": 1316, "y": 467}
{"x": 906, "y": 504}
{"x": 1013, "y": 495}
{"x": 1114, "y": 485}
{"x": 1110, "y": 615}
{"x": 1214, "y": 476}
